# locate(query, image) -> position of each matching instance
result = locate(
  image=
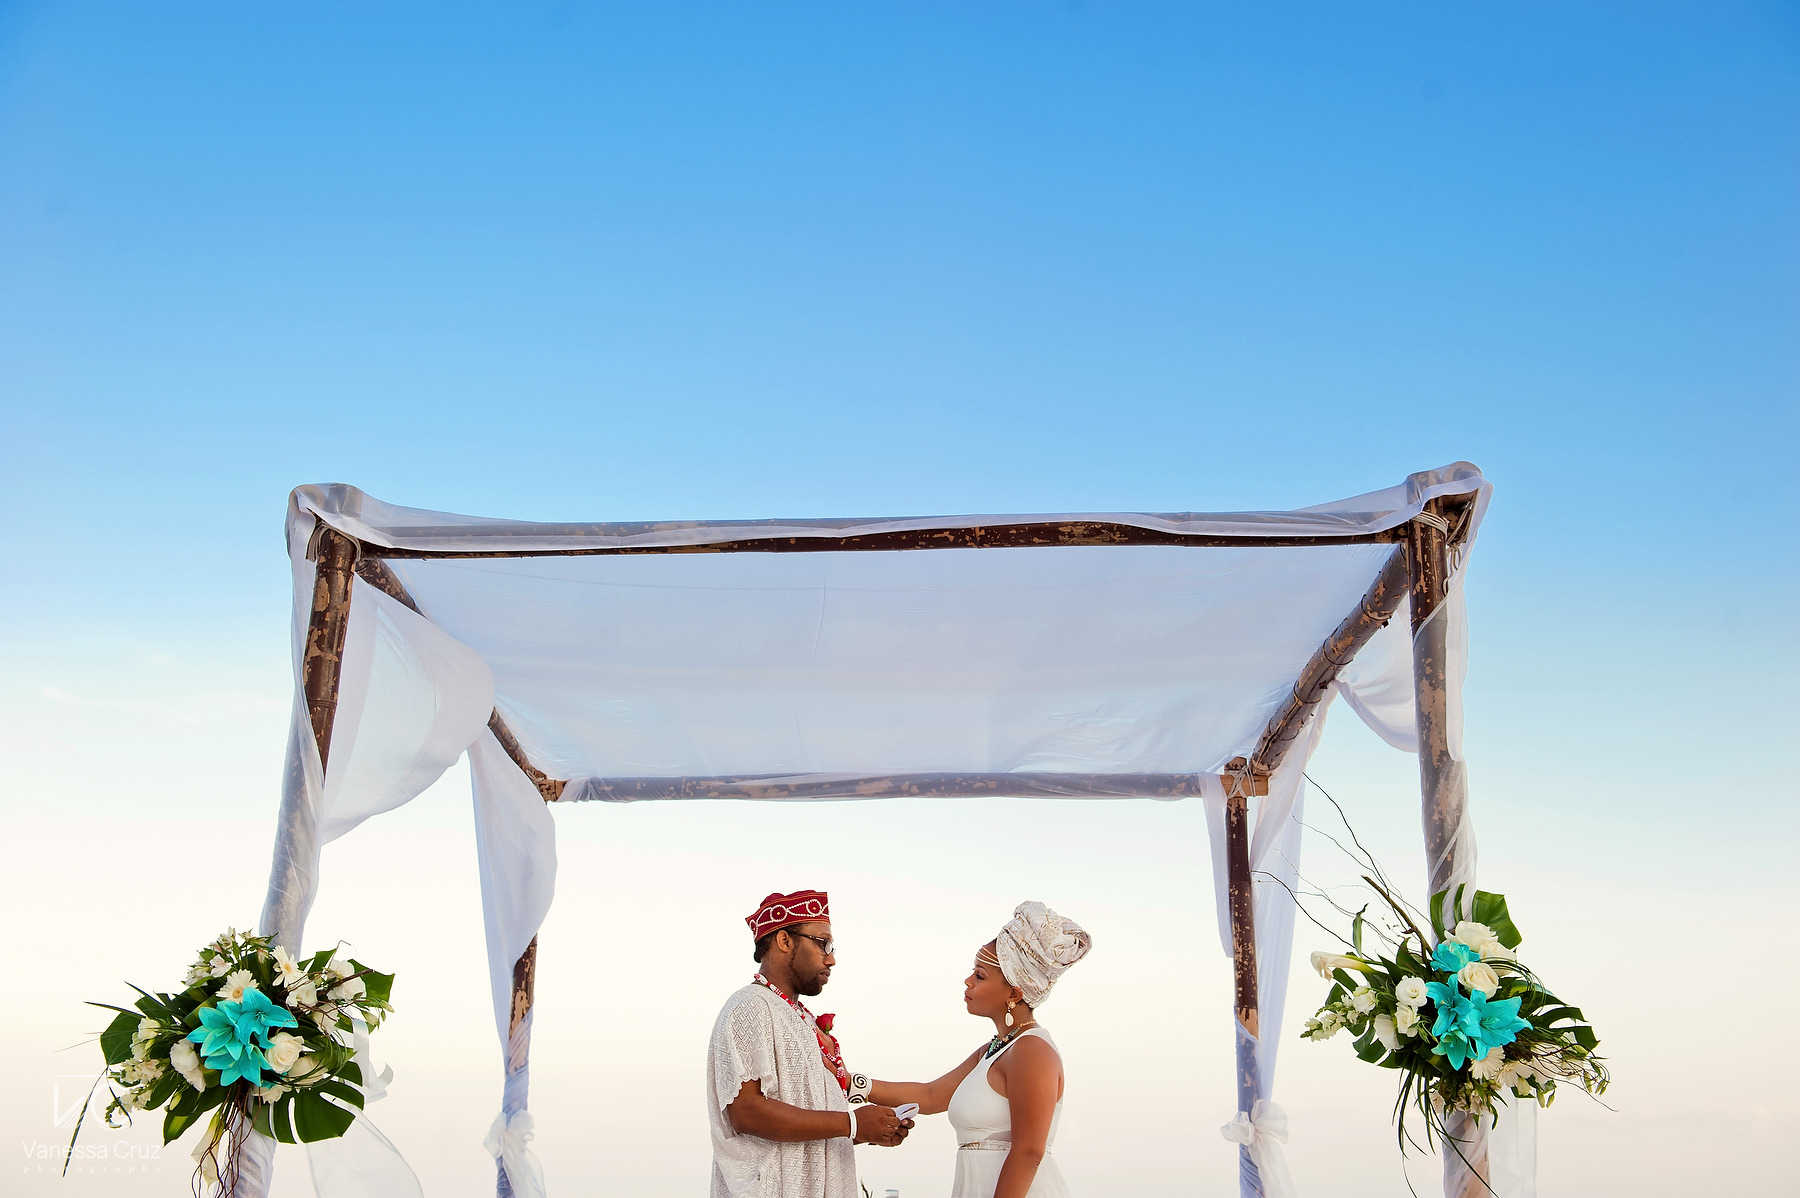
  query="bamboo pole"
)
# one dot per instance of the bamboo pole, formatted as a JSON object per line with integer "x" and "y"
{"x": 322, "y": 662}
{"x": 1443, "y": 796}
{"x": 1442, "y": 783}
{"x": 994, "y": 536}
{"x": 1243, "y": 916}
{"x": 293, "y": 871}
{"x": 1372, "y": 612}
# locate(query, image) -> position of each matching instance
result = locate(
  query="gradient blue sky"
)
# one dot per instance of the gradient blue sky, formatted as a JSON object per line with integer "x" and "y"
{"x": 575, "y": 261}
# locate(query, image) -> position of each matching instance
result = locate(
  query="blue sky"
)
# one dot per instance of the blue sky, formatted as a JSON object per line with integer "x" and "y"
{"x": 572, "y": 261}
{"x": 579, "y": 261}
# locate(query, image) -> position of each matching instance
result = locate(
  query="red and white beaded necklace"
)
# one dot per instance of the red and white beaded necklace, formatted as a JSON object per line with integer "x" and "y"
{"x": 821, "y": 1027}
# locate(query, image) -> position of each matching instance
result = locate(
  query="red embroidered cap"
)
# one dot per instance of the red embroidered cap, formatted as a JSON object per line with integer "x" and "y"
{"x": 785, "y": 910}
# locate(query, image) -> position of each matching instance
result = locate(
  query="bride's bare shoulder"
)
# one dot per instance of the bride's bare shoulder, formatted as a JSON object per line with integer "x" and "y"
{"x": 1031, "y": 1053}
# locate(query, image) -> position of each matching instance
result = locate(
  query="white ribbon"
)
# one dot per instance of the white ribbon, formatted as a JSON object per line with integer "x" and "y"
{"x": 374, "y": 1085}
{"x": 1263, "y": 1131}
{"x": 506, "y": 1142}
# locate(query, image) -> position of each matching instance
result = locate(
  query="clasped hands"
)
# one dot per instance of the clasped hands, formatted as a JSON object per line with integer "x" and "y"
{"x": 879, "y": 1125}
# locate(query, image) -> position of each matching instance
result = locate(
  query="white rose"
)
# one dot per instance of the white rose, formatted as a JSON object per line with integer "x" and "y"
{"x": 1478, "y": 975}
{"x": 1472, "y": 934}
{"x": 1482, "y": 939}
{"x": 1384, "y": 1032}
{"x": 272, "y": 1093}
{"x": 1363, "y": 999}
{"x": 349, "y": 990}
{"x": 1410, "y": 992}
{"x": 186, "y": 1059}
{"x": 303, "y": 1068}
{"x": 1406, "y": 1020}
{"x": 306, "y": 994}
{"x": 283, "y": 1051}
{"x": 1326, "y": 962}
{"x": 235, "y": 985}
{"x": 1488, "y": 1066}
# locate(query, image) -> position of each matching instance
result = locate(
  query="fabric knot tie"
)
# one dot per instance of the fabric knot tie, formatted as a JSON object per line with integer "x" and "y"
{"x": 1262, "y": 1131}
{"x": 506, "y": 1142}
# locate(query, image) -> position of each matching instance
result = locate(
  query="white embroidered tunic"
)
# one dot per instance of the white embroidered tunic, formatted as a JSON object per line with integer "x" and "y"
{"x": 760, "y": 1038}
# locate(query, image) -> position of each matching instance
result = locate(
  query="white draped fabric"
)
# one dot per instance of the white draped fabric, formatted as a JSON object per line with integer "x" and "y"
{"x": 1093, "y": 670}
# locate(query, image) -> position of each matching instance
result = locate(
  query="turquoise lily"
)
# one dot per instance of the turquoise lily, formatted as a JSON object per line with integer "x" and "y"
{"x": 1451, "y": 956}
{"x": 217, "y": 1034}
{"x": 1457, "y": 1048}
{"x": 256, "y": 1016}
{"x": 1494, "y": 1024}
{"x": 1454, "y": 1010}
{"x": 249, "y": 1067}
{"x": 232, "y": 1035}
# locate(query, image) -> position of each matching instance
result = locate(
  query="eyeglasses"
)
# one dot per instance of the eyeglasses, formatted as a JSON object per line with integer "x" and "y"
{"x": 826, "y": 944}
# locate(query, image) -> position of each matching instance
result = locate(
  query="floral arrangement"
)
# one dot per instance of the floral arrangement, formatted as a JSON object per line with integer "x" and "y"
{"x": 1462, "y": 1019}
{"x": 256, "y": 1037}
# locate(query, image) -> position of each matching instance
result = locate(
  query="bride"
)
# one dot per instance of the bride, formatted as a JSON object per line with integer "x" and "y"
{"x": 1005, "y": 1101}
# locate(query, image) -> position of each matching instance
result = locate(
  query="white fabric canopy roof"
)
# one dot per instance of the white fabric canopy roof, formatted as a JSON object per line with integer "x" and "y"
{"x": 635, "y": 672}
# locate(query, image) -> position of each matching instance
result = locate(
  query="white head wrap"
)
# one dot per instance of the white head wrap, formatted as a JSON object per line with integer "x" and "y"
{"x": 1036, "y": 946}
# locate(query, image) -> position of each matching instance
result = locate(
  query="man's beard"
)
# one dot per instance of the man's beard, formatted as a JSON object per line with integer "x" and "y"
{"x": 811, "y": 987}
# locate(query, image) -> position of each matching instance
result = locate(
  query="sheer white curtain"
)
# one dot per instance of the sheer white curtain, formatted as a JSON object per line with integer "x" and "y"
{"x": 410, "y": 698}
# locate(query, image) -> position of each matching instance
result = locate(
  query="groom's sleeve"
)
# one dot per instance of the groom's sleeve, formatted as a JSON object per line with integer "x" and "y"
{"x": 743, "y": 1050}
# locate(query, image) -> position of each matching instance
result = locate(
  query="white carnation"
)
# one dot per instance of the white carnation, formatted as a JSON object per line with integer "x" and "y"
{"x": 186, "y": 1059}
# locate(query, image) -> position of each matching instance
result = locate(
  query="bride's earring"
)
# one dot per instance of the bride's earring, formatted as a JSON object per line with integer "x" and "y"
{"x": 1010, "y": 1004}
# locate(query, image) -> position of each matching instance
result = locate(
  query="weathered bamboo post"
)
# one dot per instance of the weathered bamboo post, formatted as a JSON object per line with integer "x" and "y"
{"x": 1242, "y": 782}
{"x": 1442, "y": 782}
{"x": 1238, "y": 788}
{"x": 292, "y": 878}
{"x": 293, "y": 875}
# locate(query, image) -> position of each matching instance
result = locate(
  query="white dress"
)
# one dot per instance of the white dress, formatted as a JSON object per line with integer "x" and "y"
{"x": 761, "y": 1038}
{"x": 983, "y": 1123}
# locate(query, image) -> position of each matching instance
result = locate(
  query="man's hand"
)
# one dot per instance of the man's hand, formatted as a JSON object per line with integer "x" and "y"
{"x": 878, "y": 1125}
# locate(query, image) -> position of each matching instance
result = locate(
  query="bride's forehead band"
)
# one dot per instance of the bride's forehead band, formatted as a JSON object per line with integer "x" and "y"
{"x": 986, "y": 956}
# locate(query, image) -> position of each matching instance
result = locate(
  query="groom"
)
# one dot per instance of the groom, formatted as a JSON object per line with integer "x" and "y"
{"x": 784, "y": 1109}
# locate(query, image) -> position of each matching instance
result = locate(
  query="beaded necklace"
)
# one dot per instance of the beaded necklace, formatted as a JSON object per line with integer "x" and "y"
{"x": 996, "y": 1044}
{"x": 828, "y": 1045}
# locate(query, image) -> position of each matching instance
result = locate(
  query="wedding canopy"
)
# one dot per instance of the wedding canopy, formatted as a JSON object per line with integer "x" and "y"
{"x": 1104, "y": 656}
